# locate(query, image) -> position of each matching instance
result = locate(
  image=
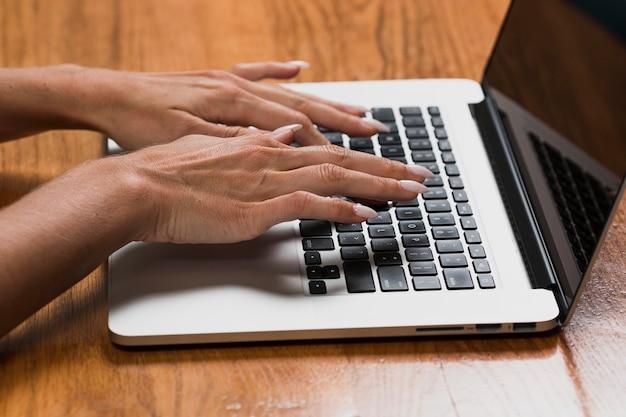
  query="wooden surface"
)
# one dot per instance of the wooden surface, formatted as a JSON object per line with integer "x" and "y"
{"x": 61, "y": 362}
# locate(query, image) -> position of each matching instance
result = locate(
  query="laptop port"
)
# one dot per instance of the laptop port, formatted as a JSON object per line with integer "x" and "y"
{"x": 524, "y": 327}
{"x": 488, "y": 328}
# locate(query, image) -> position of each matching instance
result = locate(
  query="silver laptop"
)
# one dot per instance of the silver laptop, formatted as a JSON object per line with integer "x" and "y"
{"x": 529, "y": 168}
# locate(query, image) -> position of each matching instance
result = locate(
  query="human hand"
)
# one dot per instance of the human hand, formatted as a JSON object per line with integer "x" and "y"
{"x": 207, "y": 190}
{"x": 139, "y": 109}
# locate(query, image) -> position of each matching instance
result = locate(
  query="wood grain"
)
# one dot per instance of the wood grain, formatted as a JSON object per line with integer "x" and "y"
{"x": 61, "y": 362}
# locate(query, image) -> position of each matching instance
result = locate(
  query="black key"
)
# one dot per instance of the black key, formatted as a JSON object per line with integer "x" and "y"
{"x": 384, "y": 114}
{"x": 452, "y": 260}
{"x": 389, "y": 139}
{"x": 437, "y": 181}
{"x": 441, "y": 219}
{"x": 381, "y": 230}
{"x": 426, "y": 283}
{"x": 434, "y": 111}
{"x": 412, "y": 226}
{"x": 359, "y": 277}
{"x": 351, "y": 239}
{"x": 420, "y": 145}
{"x": 440, "y": 133}
{"x": 416, "y": 132}
{"x": 392, "y": 278}
{"x": 419, "y": 254}
{"x": 314, "y": 272}
{"x": 351, "y": 253}
{"x": 408, "y": 203}
{"x": 348, "y": 227}
{"x": 435, "y": 193}
{"x": 472, "y": 236}
{"x": 384, "y": 217}
{"x": 464, "y": 209}
{"x": 458, "y": 279}
{"x": 384, "y": 245}
{"x": 481, "y": 266}
{"x": 319, "y": 243}
{"x": 455, "y": 183}
{"x": 408, "y": 213}
{"x": 330, "y": 272}
{"x": 445, "y": 232}
{"x": 314, "y": 228}
{"x": 452, "y": 170}
{"x": 485, "y": 281}
{"x": 468, "y": 223}
{"x": 312, "y": 258}
{"x": 387, "y": 258}
{"x": 459, "y": 196}
{"x": 444, "y": 145}
{"x": 413, "y": 121}
{"x": 448, "y": 158}
{"x": 317, "y": 287}
{"x": 409, "y": 241}
{"x": 437, "y": 206}
{"x": 423, "y": 156}
{"x": 422, "y": 268}
{"x": 449, "y": 246}
{"x": 411, "y": 111}
{"x": 361, "y": 143}
{"x": 476, "y": 251}
{"x": 436, "y": 121}
{"x": 392, "y": 151}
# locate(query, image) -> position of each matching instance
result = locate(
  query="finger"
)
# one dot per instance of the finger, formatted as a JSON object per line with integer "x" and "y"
{"x": 296, "y": 158}
{"x": 303, "y": 205}
{"x": 200, "y": 126}
{"x": 334, "y": 116}
{"x": 329, "y": 179}
{"x": 268, "y": 115}
{"x": 262, "y": 70}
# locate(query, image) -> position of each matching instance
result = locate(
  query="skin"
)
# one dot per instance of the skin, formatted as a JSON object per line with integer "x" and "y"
{"x": 196, "y": 176}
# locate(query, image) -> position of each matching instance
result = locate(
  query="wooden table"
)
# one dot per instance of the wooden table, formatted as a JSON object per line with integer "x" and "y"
{"x": 61, "y": 362}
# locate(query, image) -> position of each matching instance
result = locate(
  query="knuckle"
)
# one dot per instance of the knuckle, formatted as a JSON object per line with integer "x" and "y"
{"x": 331, "y": 173}
{"x": 299, "y": 201}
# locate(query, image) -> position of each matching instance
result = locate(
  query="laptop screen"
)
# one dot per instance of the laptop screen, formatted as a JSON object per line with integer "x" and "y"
{"x": 558, "y": 77}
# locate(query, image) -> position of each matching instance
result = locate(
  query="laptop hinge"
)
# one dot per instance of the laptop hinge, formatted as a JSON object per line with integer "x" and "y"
{"x": 516, "y": 201}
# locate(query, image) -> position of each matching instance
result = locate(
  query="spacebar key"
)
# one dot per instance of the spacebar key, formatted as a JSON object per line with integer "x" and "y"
{"x": 359, "y": 276}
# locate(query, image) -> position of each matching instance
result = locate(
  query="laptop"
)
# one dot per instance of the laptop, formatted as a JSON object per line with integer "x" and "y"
{"x": 530, "y": 165}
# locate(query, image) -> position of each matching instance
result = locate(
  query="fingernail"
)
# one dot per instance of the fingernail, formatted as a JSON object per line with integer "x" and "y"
{"x": 294, "y": 128}
{"x": 377, "y": 124}
{"x": 413, "y": 186}
{"x": 421, "y": 171}
{"x": 301, "y": 64}
{"x": 352, "y": 108}
{"x": 364, "y": 211}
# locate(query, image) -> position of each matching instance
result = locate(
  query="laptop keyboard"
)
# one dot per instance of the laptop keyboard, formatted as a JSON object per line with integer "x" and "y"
{"x": 429, "y": 244}
{"x": 583, "y": 203}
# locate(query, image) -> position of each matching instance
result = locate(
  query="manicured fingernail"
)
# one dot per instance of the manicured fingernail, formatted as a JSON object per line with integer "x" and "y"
{"x": 413, "y": 186}
{"x": 294, "y": 128}
{"x": 378, "y": 125}
{"x": 352, "y": 108}
{"x": 421, "y": 171}
{"x": 301, "y": 64}
{"x": 364, "y": 211}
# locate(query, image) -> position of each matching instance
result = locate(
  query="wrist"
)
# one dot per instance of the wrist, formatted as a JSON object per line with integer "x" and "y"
{"x": 34, "y": 100}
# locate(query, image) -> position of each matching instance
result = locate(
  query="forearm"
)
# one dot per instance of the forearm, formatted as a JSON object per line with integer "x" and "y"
{"x": 59, "y": 233}
{"x": 33, "y": 100}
